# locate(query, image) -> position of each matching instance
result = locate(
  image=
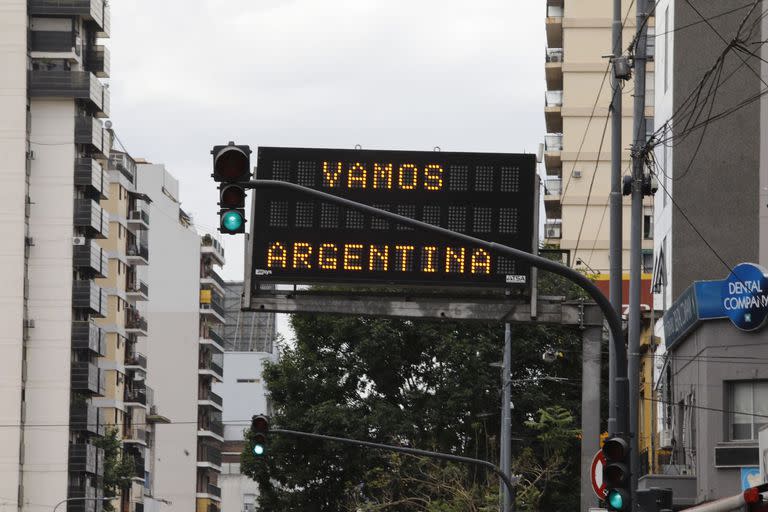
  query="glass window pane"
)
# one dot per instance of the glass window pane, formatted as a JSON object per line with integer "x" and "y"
{"x": 741, "y": 405}
{"x": 761, "y": 406}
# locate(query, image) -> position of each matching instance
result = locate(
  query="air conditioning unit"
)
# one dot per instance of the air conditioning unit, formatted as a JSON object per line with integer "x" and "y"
{"x": 29, "y": 323}
{"x": 576, "y": 173}
{"x": 551, "y": 233}
{"x": 665, "y": 438}
{"x": 78, "y": 240}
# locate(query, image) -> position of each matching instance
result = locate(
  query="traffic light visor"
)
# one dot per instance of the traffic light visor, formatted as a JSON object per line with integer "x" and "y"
{"x": 232, "y": 221}
{"x": 232, "y": 196}
{"x": 259, "y": 424}
{"x": 615, "y": 474}
{"x": 615, "y": 448}
{"x": 231, "y": 163}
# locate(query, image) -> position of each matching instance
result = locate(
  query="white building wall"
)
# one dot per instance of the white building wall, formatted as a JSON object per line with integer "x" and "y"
{"x": 49, "y": 349}
{"x": 243, "y": 391}
{"x": 13, "y": 145}
{"x": 172, "y": 344}
{"x": 237, "y": 491}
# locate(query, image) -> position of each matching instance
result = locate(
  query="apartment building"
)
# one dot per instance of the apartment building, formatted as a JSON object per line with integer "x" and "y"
{"x": 577, "y": 155}
{"x": 712, "y": 383}
{"x": 184, "y": 350}
{"x": 54, "y": 151}
{"x": 249, "y": 340}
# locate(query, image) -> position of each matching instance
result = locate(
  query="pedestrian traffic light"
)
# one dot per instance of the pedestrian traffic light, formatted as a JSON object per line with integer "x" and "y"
{"x": 616, "y": 473}
{"x": 259, "y": 430}
{"x": 232, "y": 170}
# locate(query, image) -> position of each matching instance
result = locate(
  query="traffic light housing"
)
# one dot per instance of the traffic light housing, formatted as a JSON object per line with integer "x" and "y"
{"x": 231, "y": 170}
{"x": 616, "y": 475}
{"x": 259, "y": 431}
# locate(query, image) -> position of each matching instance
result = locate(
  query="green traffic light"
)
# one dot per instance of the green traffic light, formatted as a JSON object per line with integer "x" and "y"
{"x": 616, "y": 500}
{"x": 232, "y": 221}
{"x": 258, "y": 449}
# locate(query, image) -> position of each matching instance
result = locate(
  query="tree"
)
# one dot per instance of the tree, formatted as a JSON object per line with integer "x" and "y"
{"x": 119, "y": 467}
{"x": 427, "y": 384}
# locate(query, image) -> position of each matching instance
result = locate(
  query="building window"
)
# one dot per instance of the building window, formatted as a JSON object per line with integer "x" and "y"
{"x": 666, "y": 48}
{"x": 748, "y": 409}
{"x": 247, "y": 381}
{"x": 647, "y": 261}
{"x": 648, "y": 222}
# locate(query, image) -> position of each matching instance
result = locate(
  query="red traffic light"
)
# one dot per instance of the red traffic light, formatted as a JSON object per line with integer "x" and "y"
{"x": 231, "y": 163}
{"x": 260, "y": 425}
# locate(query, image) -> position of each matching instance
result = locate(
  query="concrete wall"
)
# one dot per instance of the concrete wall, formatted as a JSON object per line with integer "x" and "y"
{"x": 172, "y": 344}
{"x": 701, "y": 366}
{"x": 236, "y": 489}
{"x": 13, "y": 146}
{"x": 720, "y": 193}
{"x": 49, "y": 350}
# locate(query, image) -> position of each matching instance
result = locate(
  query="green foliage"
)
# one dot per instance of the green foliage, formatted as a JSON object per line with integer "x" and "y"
{"x": 427, "y": 384}
{"x": 119, "y": 467}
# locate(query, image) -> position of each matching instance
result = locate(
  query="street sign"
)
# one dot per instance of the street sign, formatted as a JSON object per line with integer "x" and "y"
{"x": 300, "y": 240}
{"x": 596, "y": 472}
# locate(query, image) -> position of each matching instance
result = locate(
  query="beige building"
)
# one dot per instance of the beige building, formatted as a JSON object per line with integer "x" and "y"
{"x": 578, "y": 166}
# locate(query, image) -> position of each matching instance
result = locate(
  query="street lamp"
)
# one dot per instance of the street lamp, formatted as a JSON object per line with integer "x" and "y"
{"x": 82, "y": 499}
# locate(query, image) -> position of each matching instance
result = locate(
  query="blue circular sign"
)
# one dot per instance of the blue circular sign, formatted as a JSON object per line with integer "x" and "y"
{"x": 745, "y": 296}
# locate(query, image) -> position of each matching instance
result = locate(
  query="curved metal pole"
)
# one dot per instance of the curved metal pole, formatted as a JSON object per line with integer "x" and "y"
{"x": 80, "y": 499}
{"x": 611, "y": 316}
{"x": 411, "y": 451}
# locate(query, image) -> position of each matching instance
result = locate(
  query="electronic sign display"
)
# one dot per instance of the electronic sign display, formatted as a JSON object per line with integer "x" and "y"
{"x": 299, "y": 239}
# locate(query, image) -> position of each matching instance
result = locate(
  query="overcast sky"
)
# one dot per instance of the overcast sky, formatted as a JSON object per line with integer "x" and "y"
{"x": 385, "y": 74}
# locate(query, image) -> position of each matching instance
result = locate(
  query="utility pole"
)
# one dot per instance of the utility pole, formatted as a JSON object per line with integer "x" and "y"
{"x": 616, "y": 203}
{"x": 633, "y": 359}
{"x": 506, "y": 420}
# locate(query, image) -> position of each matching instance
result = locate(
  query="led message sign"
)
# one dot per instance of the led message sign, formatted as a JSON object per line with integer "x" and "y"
{"x": 297, "y": 239}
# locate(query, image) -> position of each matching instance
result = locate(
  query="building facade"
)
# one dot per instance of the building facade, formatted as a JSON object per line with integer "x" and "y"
{"x": 249, "y": 340}
{"x": 578, "y": 142}
{"x": 711, "y": 388}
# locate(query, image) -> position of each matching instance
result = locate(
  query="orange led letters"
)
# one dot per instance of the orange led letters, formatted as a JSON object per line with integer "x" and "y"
{"x": 277, "y": 254}
{"x": 433, "y": 177}
{"x": 331, "y": 177}
{"x": 352, "y": 256}
{"x": 326, "y": 261}
{"x": 481, "y": 262}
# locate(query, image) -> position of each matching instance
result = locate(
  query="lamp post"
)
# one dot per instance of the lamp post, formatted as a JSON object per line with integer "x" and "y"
{"x": 81, "y": 499}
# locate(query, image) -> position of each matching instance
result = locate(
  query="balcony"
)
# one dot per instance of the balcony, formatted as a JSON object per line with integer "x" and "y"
{"x": 135, "y": 396}
{"x": 210, "y": 428}
{"x": 208, "y": 456}
{"x": 81, "y": 85}
{"x": 97, "y": 61}
{"x": 209, "y": 491}
{"x": 135, "y": 361}
{"x": 552, "y": 187}
{"x": 553, "y": 229}
{"x": 87, "y": 295}
{"x": 138, "y": 219}
{"x": 210, "y": 307}
{"x": 211, "y": 278}
{"x": 123, "y": 163}
{"x": 137, "y": 252}
{"x": 91, "y": 217}
{"x": 135, "y": 435}
{"x": 90, "y": 175}
{"x": 210, "y": 399}
{"x": 83, "y": 458}
{"x": 87, "y": 378}
{"x": 90, "y": 132}
{"x": 208, "y": 367}
{"x": 213, "y": 341}
{"x": 90, "y": 259}
{"x": 137, "y": 291}
{"x": 135, "y": 323}
{"x": 84, "y": 417}
{"x": 92, "y": 10}
{"x": 553, "y": 111}
{"x": 53, "y": 41}
{"x": 83, "y": 497}
{"x": 212, "y": 248}
{"x": 553, "y": 145}
{"x": 554, "y": 68}
{"x": 89, "y": 336}
{"x": 554, "y": 26}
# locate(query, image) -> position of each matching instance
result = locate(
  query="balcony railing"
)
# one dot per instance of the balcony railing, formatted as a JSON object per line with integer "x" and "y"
{"x": 210, "y": 396}
{"x": 123, "y": 163}
{"x": 134, "y": 320}
{"x": 139, "y": 216}
{"x": 90, "y": 131}
{"x": 553, "y": 98}
{"x": 214, "y": 426}
{"x": 136, "y": 359}
{"x": 213, "y": 275}
{"x": 214, "y": 306}
{"x": 92, "y": 217}
{"x": 209, "y": 454}
{"x": 211, "y": 245}
{"x": 53, "y": 41}
{"x": 90, "y": 259}
{"x": 553, "y": 142}
{"x": 554, "y": 55}
{"x": 553, "y": 229}
{"x": 136, "y": 395}
{"x": 97, "y": 61}
{"x": 84, "y": 417}
{"x": 213, "y": 335}
{"x": 210, "y": 365}
{"x": 137, "y": 250}
{"x": 82, "y": 85}
{"x": 83, "y": 458}
{"x": 89, "y": 9}
{"x": 553, "y": 186}
{"x": 85, "y": 377}
{"x": 89, "y": 336}
{"x": 141, "y": 288}
{"x": 134, "y": 433}
{"x": 89, "y": 296}
{"x": 89, "y": 174}
{"x": 213, "y": 490}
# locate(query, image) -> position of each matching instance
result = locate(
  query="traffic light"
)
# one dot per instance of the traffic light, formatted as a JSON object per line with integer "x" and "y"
{"x": 654, "y": 499}
{"x": 259, "y": 430}
{"x": 616, "y": 473}
{"x": 231, "y": 169}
